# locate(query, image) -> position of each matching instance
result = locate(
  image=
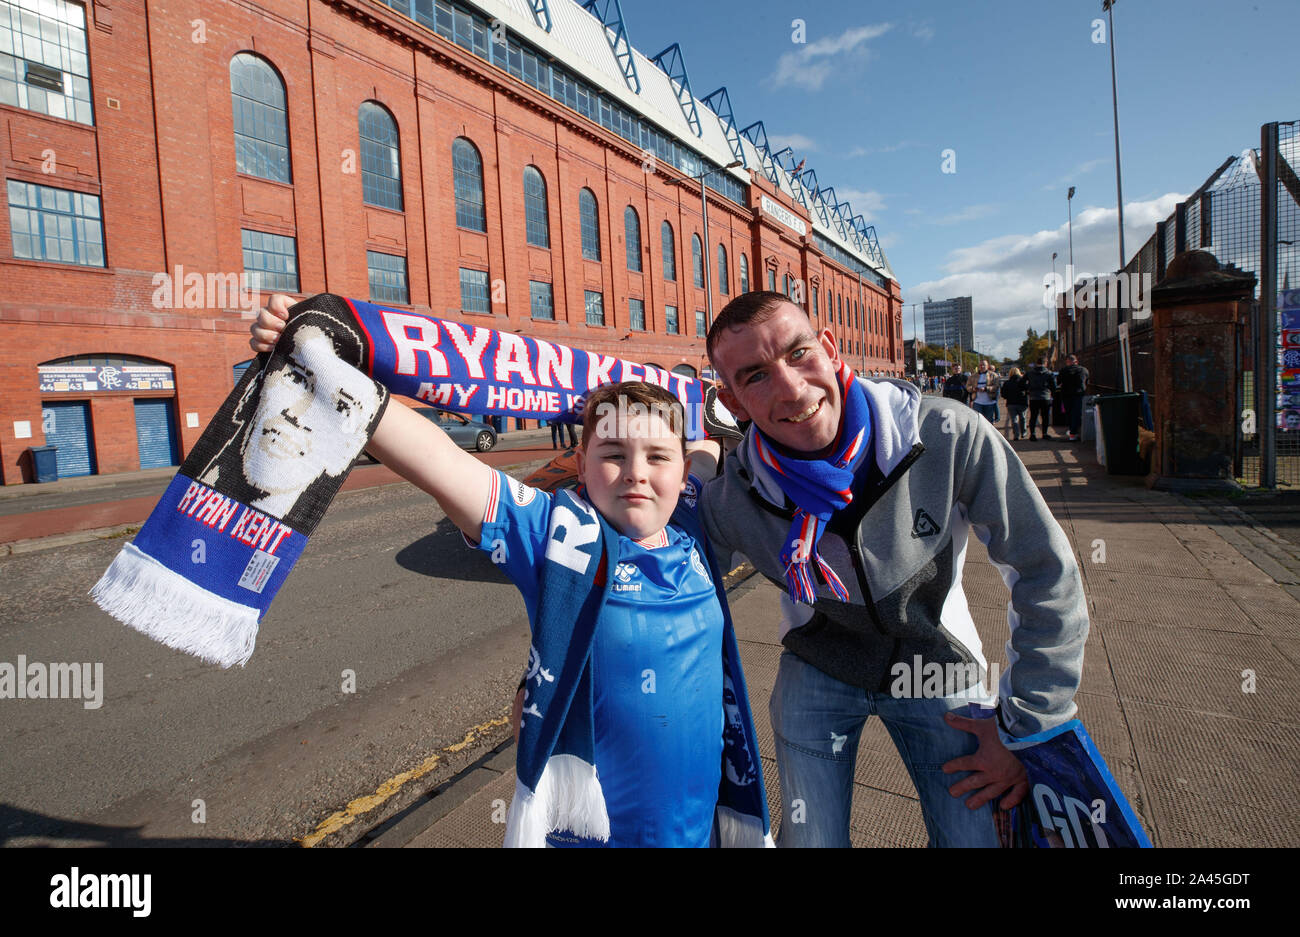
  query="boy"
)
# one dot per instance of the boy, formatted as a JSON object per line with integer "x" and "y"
{"x": 624, "y": 739}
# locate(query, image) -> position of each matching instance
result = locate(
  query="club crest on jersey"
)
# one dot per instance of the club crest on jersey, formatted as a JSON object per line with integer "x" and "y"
{"x": 697, "y": 564}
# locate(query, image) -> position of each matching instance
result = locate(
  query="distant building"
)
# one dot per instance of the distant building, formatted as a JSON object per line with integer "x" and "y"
{"x": 950, "y": 322}
{"x": 910, "y": 348}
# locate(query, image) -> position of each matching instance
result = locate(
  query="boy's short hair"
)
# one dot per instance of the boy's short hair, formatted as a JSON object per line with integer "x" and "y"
{"x": 630, "y": 398}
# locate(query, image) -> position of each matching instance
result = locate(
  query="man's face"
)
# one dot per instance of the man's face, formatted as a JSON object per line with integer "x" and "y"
{"x": 311, "y": 417}
{"x": 984, "y": 366}
{"x": 634, "y": 471}
{"x": 782, "y": 375}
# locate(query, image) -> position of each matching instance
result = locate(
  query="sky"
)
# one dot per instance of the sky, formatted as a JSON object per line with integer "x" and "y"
{"x": 1020, "y": 92}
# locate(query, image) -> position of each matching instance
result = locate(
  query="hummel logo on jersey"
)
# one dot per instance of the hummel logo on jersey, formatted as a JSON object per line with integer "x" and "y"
{"x": 923, "y": 525}
{"x": 624, "y": 572}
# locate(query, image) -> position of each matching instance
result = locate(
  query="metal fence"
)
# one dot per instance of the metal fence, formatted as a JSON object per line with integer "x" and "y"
{"x": 1222, "y": 216}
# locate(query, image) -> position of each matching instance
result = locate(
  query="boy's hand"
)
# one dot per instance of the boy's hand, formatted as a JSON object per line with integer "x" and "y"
{"x": 270, "y": 323}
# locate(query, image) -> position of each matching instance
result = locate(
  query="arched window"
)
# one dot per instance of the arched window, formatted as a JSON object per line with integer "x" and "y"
{"x": 632, "y": 235}
{"x": 467, "y": 170}
{"x": 261, "y": 121}
{"x": 381, "y": 169}
{"x": 744, "y": 274}
{"x": 697, "y": 260}
{"x": 670, "y": 251}
{"x": 589, "y": 218}
{"x": 724, "y": 286}
{"x": 536, "y": 219}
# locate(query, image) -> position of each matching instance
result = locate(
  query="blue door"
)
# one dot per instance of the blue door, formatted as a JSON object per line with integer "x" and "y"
{"x": 67, "y": 425}
{"x": 155, "y": 433}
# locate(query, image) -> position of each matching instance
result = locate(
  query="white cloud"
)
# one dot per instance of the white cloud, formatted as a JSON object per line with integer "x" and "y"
{"x": 865, "y": 202}
{"x": 812, "y": 63}
{"x": 969, "y": 213}
{"x": 796, "y": 141}
{"x": 1072, "y": 177}
{"x": 1004, "y": 275}
{"x": 887, "y": 148}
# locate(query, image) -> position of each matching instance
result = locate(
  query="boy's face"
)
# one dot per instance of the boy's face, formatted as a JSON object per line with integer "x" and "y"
{"x": 633, "y": 472}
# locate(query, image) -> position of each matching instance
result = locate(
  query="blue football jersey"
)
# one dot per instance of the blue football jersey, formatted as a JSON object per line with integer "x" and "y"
{"x": 656, "y": 672}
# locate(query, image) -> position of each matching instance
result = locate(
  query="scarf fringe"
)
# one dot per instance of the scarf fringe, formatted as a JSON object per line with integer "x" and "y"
{"x": 741, "y": 831}
{"x": 568, "y": 797}
{"x": 156, "y": 601}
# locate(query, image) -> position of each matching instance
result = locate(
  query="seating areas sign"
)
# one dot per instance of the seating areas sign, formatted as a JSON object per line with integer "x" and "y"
{"x": 72, "y": 378}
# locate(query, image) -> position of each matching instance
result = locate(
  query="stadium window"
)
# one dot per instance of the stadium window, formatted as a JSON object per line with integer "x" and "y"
{"x": 381, "y": 170}
{"x": 474, "y": 291}
{"x": 595, "y": 303}
{"x": 541, "y": 299}
{"x": 43, "y": 59}
{"x": 55, "y": 224}
{"x": 467, "y": 169}
{"x": 589, "y": 218}
{"x": 271, "y": 261}
{"x": 697, "y": 261}
{"x": 670, "y": 320}
{"x": 669, "y": 244}
{"x": 744, "y": 273}
{"x": 387, "y": 278}
{"x": 723, "y": 285}
{"x": 536, "y": 223}
{"x": 701, "y": 324}
{"x": 636, "y": 315}
{"x": 261, "y": 122}
{"x": 632, "y": 235}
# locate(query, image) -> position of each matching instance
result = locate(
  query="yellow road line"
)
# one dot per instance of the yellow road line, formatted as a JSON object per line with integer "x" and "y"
{"x": 362, "y": 805}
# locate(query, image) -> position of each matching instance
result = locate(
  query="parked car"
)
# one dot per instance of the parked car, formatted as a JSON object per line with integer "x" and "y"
{"x": 467, "y": 433}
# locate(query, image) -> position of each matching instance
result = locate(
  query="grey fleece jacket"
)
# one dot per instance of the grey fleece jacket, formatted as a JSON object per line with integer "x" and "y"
{"x": 940, "y": 472}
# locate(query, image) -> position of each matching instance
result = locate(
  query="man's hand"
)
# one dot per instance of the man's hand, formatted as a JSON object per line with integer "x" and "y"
{"x": 270, "y": 323}
{"x": 994, "y": 769}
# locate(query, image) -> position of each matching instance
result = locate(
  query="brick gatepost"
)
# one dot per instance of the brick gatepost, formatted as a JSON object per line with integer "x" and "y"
{"x": 1195, "y": 311}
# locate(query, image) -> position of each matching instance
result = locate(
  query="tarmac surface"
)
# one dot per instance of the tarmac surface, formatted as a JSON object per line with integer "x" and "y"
{"x": 1188, "y": 677}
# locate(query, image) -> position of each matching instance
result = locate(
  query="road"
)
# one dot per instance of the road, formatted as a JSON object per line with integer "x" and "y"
{"x": 266, "y": 754}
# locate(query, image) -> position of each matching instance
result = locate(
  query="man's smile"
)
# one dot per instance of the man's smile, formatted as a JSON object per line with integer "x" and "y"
{"x": 805, "y": 415}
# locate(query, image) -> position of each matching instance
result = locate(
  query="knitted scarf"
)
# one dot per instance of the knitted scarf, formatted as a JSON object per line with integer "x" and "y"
{"x": 819, "y": 488}
{"x": 556, "y": 785}
{"x": 203, "y": 570}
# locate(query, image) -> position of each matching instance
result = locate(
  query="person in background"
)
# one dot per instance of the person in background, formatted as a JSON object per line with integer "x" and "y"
{"x": 1040, "y": 384}
{"x": 1014, "y": 393}
{"x": 982, "y": 388}
{"x": 1073, "y": 381}
{"x": 954, "y": 388}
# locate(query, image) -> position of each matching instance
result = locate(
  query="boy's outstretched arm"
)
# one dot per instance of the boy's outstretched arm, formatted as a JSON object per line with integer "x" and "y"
{"x": 413, "y": 447}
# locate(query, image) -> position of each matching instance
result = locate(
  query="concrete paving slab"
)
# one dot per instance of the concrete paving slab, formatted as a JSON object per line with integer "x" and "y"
{"x": 1202, "y": 670}
{"x": 1164, "y": 600}
{"x": 1217, "y": 781}
{"x": 471, "y": 825}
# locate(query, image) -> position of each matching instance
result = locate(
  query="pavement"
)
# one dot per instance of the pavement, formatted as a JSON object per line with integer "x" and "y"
{"x": 1187, "y": 687}
{"x": 1188, "y": 674}
{"x": 75, "y": 510}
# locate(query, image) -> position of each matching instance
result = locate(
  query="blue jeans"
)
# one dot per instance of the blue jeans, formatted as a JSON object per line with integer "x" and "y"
{"x": 817, "y": 722}
{"x": 987, "y": 410}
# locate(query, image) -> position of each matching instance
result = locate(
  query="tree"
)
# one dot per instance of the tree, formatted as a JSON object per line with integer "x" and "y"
{"x": 1034, "y": 347}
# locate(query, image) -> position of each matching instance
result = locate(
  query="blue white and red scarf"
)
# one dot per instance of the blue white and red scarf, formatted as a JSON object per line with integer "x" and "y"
{"x": 203, "y": 570}
{"x": 819, "y": 488}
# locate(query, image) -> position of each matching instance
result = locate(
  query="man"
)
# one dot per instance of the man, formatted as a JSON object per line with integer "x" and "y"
{"x": 280, "y": 455}
{"x": 982, "y": 389}
{"x": 871, "y": 583}
{"x": 954, "y": 387}
{"x": 1040, "y": 383}
{"x": 1073, "y": 383}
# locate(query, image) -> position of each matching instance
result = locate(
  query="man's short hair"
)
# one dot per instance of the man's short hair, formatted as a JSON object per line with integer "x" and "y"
{"x": 746, "y": 308}
{"x": 628, "y": 397}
